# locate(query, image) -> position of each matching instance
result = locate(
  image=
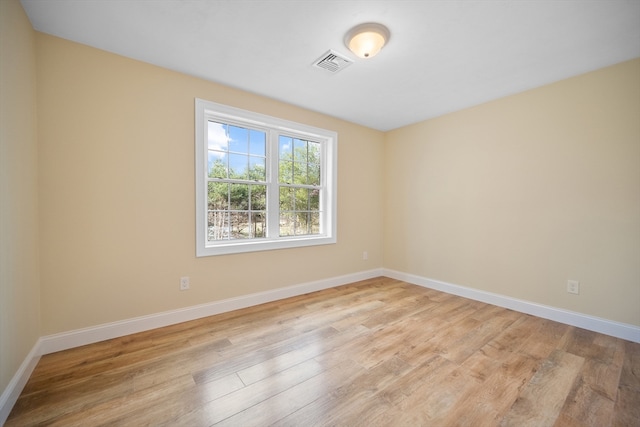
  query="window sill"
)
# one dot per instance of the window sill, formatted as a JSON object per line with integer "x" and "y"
{"x": 244, "y": 246}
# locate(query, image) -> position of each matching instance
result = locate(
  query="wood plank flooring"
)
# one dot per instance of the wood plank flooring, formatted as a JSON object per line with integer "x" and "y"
{"x": 375, "y": 353}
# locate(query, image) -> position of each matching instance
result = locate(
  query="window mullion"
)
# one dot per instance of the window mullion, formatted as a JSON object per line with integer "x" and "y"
{"x": 273, "y": 189}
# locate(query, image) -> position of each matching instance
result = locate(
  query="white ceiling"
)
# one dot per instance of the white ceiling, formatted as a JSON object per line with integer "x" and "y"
{"x": 442, "y": 56}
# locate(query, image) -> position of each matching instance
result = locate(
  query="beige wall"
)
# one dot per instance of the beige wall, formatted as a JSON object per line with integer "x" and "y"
{"x": 519, "y": 195}
{"x": 19, "y": 273}
{"x": 514, "y": 196}
{"x": 117, "y": 193}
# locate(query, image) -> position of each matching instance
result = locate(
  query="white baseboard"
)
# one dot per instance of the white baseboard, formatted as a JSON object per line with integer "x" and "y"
{"x": 14, "y": 388}
{"x": 79, "y": 337}
{"x": 76, "y": 338}
{"x": 591, "y": 323}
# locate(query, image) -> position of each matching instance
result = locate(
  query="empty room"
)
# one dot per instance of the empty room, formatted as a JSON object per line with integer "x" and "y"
{"x": 319, "y": 213}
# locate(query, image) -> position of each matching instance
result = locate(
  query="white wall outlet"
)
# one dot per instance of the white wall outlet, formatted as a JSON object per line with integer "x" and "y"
{"x": 184, "y": 283}
{"x": 365, "y": 255}
{"x": 573, "y": 287}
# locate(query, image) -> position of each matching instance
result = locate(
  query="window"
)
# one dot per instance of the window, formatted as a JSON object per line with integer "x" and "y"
{"x": 262, "y": 183}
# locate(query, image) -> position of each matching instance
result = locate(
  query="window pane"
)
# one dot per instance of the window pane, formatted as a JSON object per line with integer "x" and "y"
{"x": 302, "y": 223}
{"x": 238, "y": 139}
{"x": 315, "y": 223}
{"x": 239, "y": 198}
{"x": 217, "y": 164}
{"x": 286, "y": 199}
{"x": 257, "y": 143}
{"x": 300, "y": 150}
{"x": 299, "y": 173}
{"x": 287, "y": 224}
{"x": 217, "y": 136}
{"x": 238, "y": 166}
{"x": 218, "y": 196}
{"x": 313, "y": 174}
{"x": 258, "y": 197}
{"x": 314, "y": 152}
{"x": 302, "y": 199}
{"x": 259, "y": 224}
{"x": 257, "y": 169}
{"x": 286, "y": 148}
{"x": 314, "y": 200}
{"x": 217, "y": 225}
{"x": 286, "y": 172}
{"x": 240, "y": 225}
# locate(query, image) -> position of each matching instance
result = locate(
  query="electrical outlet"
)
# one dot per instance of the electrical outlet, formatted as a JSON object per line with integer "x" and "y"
{"x": 184, "y": 283}
{"x": 573, "y": 287}
{"x": 365, "y": 255}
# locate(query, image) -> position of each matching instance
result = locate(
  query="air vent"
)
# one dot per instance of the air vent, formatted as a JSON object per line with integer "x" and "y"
{"x": 332, "y": 61}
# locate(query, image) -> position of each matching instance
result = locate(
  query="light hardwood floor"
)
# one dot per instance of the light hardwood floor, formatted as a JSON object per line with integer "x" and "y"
{"x": 375, "y": 353}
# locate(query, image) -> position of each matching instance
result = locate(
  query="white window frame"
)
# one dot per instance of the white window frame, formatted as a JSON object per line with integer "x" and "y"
{"x": 207, "y": 110}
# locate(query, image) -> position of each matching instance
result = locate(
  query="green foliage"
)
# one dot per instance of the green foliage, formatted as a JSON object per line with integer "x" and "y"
{"x": 237, "y": 210}
{"x": 299, "y": 165}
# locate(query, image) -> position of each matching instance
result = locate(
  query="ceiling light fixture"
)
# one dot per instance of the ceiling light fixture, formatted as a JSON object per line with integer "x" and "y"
{"x": 366, "y": 40}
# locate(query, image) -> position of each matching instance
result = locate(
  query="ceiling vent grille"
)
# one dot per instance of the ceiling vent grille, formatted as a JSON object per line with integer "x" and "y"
{"x": 332, "y": 61}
